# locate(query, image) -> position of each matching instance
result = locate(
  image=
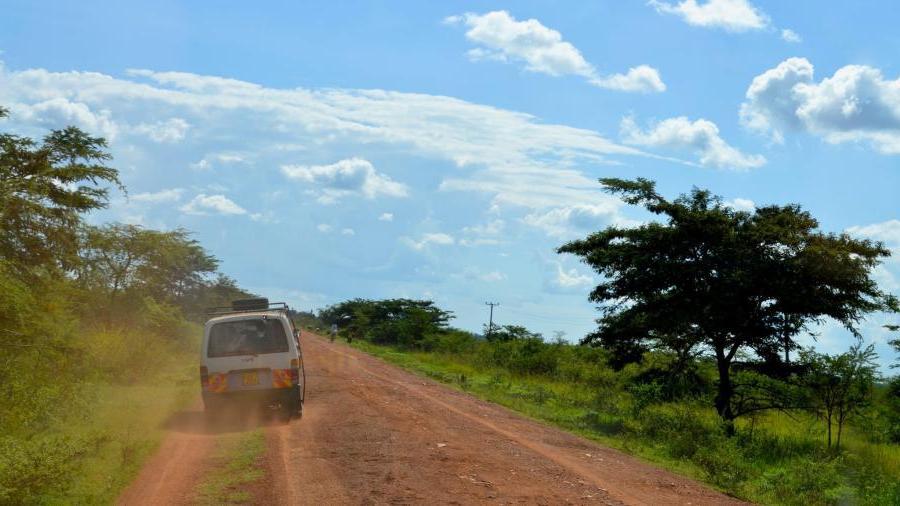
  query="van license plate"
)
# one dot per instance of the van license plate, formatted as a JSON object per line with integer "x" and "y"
{"x": 251, "y": 378}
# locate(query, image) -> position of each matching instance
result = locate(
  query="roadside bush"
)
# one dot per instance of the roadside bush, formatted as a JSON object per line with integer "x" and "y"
{"x": 452, "y": 341}
{"x": 723, "y": 464}
{"x": 31, "y": 467}
{"x": 806, "y": 482}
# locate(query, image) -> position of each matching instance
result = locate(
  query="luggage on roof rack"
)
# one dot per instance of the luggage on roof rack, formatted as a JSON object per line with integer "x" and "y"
{"x": 248, "y": 305}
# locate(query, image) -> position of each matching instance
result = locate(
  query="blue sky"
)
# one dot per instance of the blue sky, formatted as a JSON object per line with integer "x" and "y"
{"x": 445, "y": 149}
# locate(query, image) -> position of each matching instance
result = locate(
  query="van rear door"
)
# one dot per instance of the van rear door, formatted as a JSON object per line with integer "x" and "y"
{"x": 242, "y": 354}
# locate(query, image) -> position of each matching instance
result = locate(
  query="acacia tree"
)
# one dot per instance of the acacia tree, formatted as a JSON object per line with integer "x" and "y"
{"x": 45, "y": 187}
{"x": 839, "y": 386}
{"x": 711, "y": 278}
{"x": 165, "y": 265}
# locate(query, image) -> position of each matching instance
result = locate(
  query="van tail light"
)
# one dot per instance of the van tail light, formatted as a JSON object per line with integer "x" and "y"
{"x": 295, "y": 371}
{"x": 204, "y": 376}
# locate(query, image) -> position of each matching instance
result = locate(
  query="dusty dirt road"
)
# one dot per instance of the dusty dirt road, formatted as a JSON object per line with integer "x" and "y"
{"x": 374, "y": 434}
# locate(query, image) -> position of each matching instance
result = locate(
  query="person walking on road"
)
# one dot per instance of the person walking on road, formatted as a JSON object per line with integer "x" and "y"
{"x": 333, "y": 332}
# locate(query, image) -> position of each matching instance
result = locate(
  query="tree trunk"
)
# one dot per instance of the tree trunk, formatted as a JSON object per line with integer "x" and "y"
{"x": 725, "y": 392}
{"x": 840, "y": 430}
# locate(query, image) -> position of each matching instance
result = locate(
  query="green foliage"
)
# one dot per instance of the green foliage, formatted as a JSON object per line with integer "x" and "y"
{"x": 710, "y": 277}
{"x": 403, "y": 322}
{"x": 505, "y": 333}
{"x": 839, "y": 386}
{"x": 44, "y": 189}
{"x": 29, "y": 468}
{"x": 236, "y": 463}
{"x": 83, "y": 308}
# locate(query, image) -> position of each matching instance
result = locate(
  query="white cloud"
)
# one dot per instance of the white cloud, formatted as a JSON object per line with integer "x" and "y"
{"x": 700, "y": 136}
{"x": 887, "y": 232}
{"x": 543, "y": 50}
{"x": 212, "y": 204}
{"x": 58, "y": 111}
{"x": 643, "y": 79}
{"x": 170, "y": 130}
{"x": 510, "y": 156}
{"x": 386, "y": 217}
{"x": 348, "y": 231}
{"x": 856, "y": 104}
{"x": 574, "y": 219}
{"x": 730, "y": 15}
{"x": 346, "y": 177}
{"x": 324, "y": 227}
{"x": 740, "y": 204}
{"x": 209, "y": 161}
{"x": 571, "y": 278}
{"x": 791, "y": 36}
{"x": 438, "y": 239}
{"x": 170, "y": 195}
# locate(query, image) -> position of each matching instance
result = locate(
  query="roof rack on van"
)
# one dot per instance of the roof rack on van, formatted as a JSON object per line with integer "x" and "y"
{"x": 248, "y": 306}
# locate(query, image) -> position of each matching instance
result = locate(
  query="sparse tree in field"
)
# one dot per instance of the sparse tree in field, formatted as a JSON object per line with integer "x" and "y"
{"x": 715, "y": 279}
{"x": 45, "y": 187}
{"x": 839, "y": 386}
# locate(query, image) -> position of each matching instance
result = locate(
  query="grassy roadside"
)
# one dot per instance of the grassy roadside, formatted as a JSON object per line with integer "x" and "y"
{"x": 126, "y": 426}
{"x": 770, "y": 462}
{"x": 236, "y": 463}
{"x": 119, "y": 429}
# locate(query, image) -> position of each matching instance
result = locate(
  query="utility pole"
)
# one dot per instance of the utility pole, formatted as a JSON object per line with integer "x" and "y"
{"x": 491, "y": 320}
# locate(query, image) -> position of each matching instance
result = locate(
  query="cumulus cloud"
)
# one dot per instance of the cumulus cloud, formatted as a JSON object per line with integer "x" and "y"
{"x": 729, "y": 15}
{"x": 386, "y": 217}
{"x": 438, "y": 239}
{"x": 323, "y": 227}
{"x": 204, "y": 204}
{"x": 642, "y": 78}
{"x": 59, "y": 111}
{"x": 565, "y": 221}
{"x": 348, "y": 231}
{"x": 856, "y": 104}
{"x": 346, "y": 177}
{"x": 571, "y": 278}
{"x": 887, "y": 232}
{"x": 170, "y": 130}
{"x": 700, "y": 136}
{"x": 170, "y": 195}
{"x": 791, "y": 36}
{"x": 740, "y": 204}
{"x": 543, "y": 50}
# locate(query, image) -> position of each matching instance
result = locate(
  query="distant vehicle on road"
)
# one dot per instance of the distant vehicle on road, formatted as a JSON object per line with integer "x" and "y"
{"x": 251, "y": 354}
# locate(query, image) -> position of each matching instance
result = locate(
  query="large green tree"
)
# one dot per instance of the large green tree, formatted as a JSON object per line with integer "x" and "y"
{"x": 711, "y": 278}
{"x": 45, "y": 187}
{"x": 168, "y": 266}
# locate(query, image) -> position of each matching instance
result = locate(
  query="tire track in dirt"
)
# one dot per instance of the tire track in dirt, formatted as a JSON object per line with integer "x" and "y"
{"x": 374, "y": 434}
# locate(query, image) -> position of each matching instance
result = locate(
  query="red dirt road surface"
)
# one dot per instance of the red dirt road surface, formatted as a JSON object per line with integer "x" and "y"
{"x": 374, "y": 434}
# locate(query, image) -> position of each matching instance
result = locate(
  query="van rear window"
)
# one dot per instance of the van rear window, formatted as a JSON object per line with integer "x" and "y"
{"x": 247, "y": 337}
